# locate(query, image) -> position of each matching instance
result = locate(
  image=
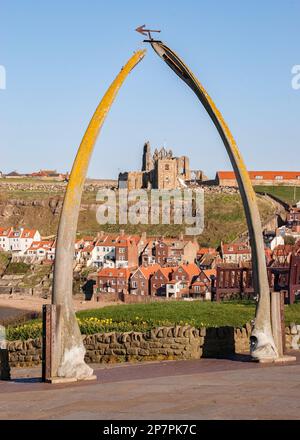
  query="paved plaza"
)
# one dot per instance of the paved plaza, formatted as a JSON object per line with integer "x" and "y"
{"x": 198, "y": 389}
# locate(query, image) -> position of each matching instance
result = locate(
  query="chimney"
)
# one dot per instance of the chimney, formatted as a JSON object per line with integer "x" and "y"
{"x": 122, "y": 232}
{"x": 181, "y": 236}
{"x": 100, "y": 234}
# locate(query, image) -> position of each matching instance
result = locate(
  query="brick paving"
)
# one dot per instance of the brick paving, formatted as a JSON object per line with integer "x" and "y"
{"x": 197, "y": 389}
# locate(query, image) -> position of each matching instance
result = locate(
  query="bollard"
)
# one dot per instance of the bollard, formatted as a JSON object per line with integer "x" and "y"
{"x": 4, "y": 364}
{"x": 49, "y": 323}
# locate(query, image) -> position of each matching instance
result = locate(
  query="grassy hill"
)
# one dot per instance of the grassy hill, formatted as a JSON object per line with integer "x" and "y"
{"x": 288, "y": 194}
{"x": 224, "y": 215}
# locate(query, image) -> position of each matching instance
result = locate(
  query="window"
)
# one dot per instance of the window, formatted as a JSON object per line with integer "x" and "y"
{"x": 167, "y": 167}
{"x": 259, "y": 177}
{"x": 197, "y": 288}
{"x": 278, "y": 177}
{"x": 122, "y": 250}
{"x": 134, "y": 284}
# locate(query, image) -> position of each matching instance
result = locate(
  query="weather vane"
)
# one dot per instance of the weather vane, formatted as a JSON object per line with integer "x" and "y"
{"x": 143, "y": 31}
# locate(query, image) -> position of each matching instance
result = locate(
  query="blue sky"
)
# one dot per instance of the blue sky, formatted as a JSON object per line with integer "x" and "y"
{"x": 60, "y": 57}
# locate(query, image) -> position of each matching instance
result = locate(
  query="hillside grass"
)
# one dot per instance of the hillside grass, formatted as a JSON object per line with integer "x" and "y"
{"x": 288, "y": 194}
{"x": 224, "y": 217}
{"x": 5, "y": 258}
{"x": 17, "y": 268}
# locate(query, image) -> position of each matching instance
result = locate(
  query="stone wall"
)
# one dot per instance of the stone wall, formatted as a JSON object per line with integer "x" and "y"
{"x": 162, "y": 343}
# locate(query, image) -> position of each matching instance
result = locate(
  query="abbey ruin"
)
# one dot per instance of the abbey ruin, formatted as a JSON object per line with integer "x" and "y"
{"x": 162, "y": 170}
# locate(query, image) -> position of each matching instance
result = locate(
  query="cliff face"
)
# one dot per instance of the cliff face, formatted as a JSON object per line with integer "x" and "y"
{"x": 41, "y": 214}
{"x": 39, "y": 207}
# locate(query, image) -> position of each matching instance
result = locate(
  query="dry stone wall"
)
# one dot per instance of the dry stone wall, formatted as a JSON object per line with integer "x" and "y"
{"x": 161, "y": 343}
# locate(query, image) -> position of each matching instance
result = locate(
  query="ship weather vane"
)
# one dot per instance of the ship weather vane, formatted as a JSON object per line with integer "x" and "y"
{"x": 143, "y": 31}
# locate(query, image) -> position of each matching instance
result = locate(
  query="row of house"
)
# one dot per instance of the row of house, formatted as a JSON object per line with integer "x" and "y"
{"x": 18, "y": 240}
{"x": 183, "y": 281}
{"x": 122, "y": 250}
{"x": 293, "y": 219}
{"x": 41, "y": 174}
{"x": 272, "y": 178}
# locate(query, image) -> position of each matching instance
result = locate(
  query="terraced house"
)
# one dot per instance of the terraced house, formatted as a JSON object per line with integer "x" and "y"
{"x": 170, "y": 251}
{"x": 112, "y": 280}
{"x": 18, "y": 240}
{"x": 236, "y": 253}
{"x": 182, "y": 279}
{"x": 140, "y": 280}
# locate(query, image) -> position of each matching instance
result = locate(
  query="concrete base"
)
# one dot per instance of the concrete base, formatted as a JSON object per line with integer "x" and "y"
{"x": 56, "y": 380}
{"x": 281, "y": 360}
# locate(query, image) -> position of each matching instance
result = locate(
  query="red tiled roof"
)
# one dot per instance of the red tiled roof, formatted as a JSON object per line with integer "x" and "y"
{"x": 149, "y": 270}
{"x": 88, "y": 248}
{"x": 266, "y": 175}
{"x": 14, "y": 233}
{"x": 210, "y": 272}
{"x": 41, "y": 245}
{"x": 236, "y": 248}
{"x": 204, "y": 250}
{"x": 28, "y": 233}
{"x": 191, "y": 269}
{"x": 114, "y": 272}
{"x": 166, "y": 271}
{"x": 107, "y": 240}
{"x": 4, "y": 232}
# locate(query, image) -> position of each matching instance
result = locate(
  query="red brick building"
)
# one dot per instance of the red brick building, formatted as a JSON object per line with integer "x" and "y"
{"x": 293, "y": 219}
{"x": 159, "y": 280}
{"x": 127, "y": 251}
{"x": 170, "y": 251}
{"x": 113, "y": 280}
{"x": 182, "y": 279}
{"x": 272, "y": 178}
{"x": 203, "y": 285}
{"x": 140, "y": 280}
{"x": 236, "y": 253}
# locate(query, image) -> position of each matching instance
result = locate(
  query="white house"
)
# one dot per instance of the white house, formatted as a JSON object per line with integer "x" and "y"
{"x": 104, "y": 252}
{"x": 42, "y": 250}
{"x": 173, "y": 288}
{"x": 80, "y": 245}
{"x": 278, "y": 240}
{"x": 28, "y": 236}
{"x": 18, "y": 240}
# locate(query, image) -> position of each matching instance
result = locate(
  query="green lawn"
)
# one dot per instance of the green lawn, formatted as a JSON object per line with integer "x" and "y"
{"x": 289, "y": 194}
{"x": 144, "y": 317}
{"x": 196, "y": 313}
